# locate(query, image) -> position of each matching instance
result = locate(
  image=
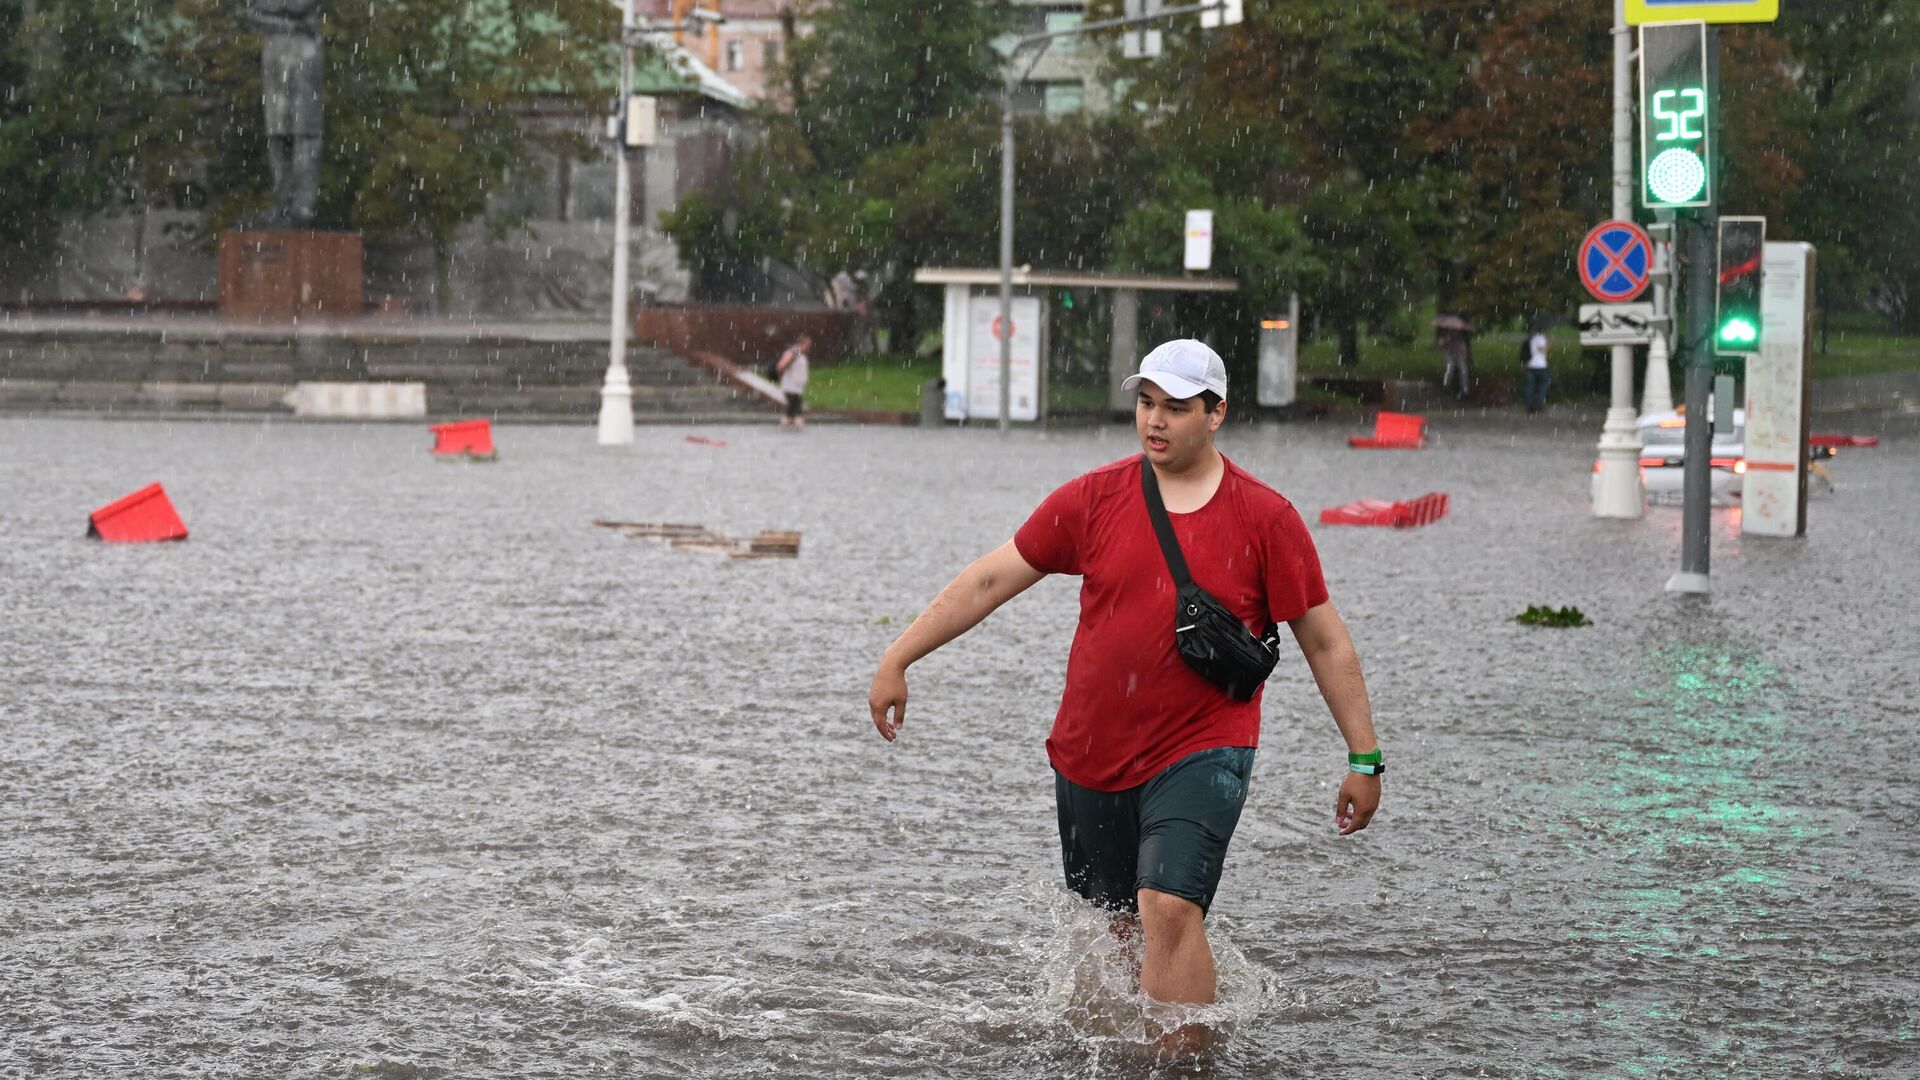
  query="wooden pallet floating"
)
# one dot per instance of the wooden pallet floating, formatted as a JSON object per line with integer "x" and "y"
{"x": 768, "y": 544}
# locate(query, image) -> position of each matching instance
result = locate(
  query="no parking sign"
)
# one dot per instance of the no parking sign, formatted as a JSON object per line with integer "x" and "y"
{"x": 1615, "y": 261}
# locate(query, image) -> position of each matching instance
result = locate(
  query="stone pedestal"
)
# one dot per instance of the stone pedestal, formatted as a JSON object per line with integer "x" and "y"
{"x": 290, "y": 274}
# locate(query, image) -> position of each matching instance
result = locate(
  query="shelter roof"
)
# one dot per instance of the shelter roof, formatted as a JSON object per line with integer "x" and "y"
{"x": 1027, "y": 276}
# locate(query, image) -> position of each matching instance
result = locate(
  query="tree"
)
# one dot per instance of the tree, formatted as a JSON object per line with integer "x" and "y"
{"x": 1860, "y": 199}
{"x": 881, "y": 164}
{"x": 1524, "y": 160}
{"x": 880, "y": 73}
{"x": 1311, "y": 109}
{"x": 157, "y": 102}
{"x": 78, "y": 93}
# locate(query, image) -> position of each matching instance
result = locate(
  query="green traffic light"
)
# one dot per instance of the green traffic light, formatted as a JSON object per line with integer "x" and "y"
{"x": 1676, "y": 176}
{"x": 1738, "y": 331}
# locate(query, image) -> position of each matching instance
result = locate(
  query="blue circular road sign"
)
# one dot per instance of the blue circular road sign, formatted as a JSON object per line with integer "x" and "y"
{"x": 1615, "y": 259}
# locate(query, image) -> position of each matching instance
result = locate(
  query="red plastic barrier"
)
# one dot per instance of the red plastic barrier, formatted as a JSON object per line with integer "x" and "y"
{"x": 702, "y": 440}
{"x": 144, "y": 517}
{"x": 1363, "y": 512}
{"x": 1843, "y": 440}
{"x": 1394, "y": 431}
{"x": 1424, "y": 510}
{"x": 473, "y": 438}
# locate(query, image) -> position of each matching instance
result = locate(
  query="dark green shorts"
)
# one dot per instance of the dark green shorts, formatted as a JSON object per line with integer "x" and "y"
{"x": 1169, "y": 834}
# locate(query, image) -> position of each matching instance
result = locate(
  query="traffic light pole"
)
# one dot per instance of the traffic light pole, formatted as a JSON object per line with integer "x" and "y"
{"x": 1697, "y": 245}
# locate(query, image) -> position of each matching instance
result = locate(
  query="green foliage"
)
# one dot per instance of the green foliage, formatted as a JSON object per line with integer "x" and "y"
{"x": 881, "y": 163}
{"x": 79, "y": 93}
{"x": 159, "y": 101}
{"x": 1538, "y": 615}
{"x": 1298, "y": 129}
{"x": 1520, "y": 163}
{"x": 1373, "y": 155}
{"x": 877, "y": 383}
{"x": 880, "y": 73}
{"x": 1859, "y": 202}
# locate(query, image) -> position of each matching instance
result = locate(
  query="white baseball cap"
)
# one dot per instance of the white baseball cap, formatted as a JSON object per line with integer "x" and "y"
{"x": 1183, "y": 368}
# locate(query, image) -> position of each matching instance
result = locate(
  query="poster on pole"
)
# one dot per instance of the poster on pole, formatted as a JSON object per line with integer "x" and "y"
{"x": 1773, "y": 495}
{"x": 983, "y": 359}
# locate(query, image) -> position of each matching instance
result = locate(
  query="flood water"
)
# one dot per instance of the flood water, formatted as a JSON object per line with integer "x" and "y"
{"x": 401, "y": 768}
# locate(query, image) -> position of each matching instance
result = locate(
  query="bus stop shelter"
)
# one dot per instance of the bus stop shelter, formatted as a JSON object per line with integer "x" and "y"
{"x": 961, "y": 356}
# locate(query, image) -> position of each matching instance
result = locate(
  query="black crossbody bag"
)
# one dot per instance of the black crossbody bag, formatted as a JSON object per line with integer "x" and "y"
{"x": 1212, "y": 640}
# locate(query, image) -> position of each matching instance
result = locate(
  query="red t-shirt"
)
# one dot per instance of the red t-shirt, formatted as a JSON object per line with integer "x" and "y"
{"x": 1132, "y": 707}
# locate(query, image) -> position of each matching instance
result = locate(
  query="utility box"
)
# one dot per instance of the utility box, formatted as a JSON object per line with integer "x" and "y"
{"x": 1279, "y": 377}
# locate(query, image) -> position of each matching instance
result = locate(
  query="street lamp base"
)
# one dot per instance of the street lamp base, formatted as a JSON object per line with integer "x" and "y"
{"x": 1658, "y": 395}
{"x": 1689, "y": 584}
{"x": 1618, "y": 492}
{"x": 616, "y": 410}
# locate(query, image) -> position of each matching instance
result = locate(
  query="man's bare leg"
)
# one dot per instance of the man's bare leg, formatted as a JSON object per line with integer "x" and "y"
{"x": 1178, "y": 966}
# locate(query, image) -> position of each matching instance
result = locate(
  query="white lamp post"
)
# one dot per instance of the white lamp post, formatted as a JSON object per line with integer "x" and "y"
{"x": 1619, "y": 494}
{"x": 616, "y": 394}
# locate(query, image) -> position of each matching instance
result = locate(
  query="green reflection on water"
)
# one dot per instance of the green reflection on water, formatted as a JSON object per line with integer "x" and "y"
{"x": 1698, "y": 821}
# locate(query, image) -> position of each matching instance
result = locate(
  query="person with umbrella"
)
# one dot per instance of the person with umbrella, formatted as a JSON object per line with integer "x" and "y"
{"x": 1454, "y": 337}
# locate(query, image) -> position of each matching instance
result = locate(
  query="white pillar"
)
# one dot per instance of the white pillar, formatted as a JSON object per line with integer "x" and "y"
{"x": 616, "y": 395}
{"x": 1123, "y": 355}
{"x": 1620, "y": 494}
{"x": 1657, "y": 393}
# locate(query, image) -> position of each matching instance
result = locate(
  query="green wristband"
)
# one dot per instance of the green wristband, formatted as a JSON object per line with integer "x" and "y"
{"x": 1371, "y": 757}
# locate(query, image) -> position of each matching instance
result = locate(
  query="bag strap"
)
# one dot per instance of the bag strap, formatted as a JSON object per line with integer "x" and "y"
{"x": 1163, "y": 526}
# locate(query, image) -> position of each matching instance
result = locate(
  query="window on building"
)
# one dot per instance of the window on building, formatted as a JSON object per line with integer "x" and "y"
{"x": 1029, "y": 98}
{"x": 736, "y": 55}
{"x": 769, "y": 53}
{"x": 1063, "y": 98}
{"x": 1058, "y": 20}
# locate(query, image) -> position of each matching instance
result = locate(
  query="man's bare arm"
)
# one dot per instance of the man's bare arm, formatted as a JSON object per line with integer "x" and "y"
{"x": 1324, "y": 641}
{"x": 992, "y": 580}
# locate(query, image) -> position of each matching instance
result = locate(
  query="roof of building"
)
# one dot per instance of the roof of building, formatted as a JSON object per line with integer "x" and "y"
{"x": 675, "y": 70}
{"x": 732, "y": 9}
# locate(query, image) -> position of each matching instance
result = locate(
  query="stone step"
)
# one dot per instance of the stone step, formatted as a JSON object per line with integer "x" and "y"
{"x": 548, "y": 401}
{"x": 165, "y": 371}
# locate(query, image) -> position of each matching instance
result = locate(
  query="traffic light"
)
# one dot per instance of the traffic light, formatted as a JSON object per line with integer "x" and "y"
{"x": 1736, "y": 324}
{"x": 1676, "y": 124}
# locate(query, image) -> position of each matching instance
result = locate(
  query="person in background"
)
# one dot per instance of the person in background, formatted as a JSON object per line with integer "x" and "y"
{"x": 792, "y": 369}
{"x": 1456, "y": 345}
{"x": 1537, "y": 378}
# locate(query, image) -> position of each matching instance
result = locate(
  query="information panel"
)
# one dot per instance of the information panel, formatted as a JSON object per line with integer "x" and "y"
{"x": 983, "y": 359}
{"x": 1773, "y": 495}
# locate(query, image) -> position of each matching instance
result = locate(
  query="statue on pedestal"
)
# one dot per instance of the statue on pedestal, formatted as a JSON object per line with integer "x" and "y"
{"x": 293, "y": 69}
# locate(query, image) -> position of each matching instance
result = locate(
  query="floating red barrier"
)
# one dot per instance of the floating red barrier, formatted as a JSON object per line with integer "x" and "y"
{"x": 1361, "y": 512}
{"x": 1424, "y": 510}
{"x": 702, "y": 440}
{"x": 471, "y": 438}
{"x": 144, "y": 517}
{"x": 1393, "y": 431}
{"x": 1843, "y": 440}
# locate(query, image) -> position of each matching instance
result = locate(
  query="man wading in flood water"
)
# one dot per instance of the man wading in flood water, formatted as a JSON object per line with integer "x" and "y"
{"x": 1151, "y": 759}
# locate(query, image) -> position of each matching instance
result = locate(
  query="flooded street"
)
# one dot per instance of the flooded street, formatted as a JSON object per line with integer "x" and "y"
{"x": 401, "y": 768}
